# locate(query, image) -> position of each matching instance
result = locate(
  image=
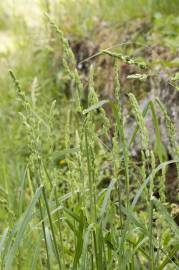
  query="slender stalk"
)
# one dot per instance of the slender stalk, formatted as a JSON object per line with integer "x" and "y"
{"x": 52, "y": 229}
{"x": 44, "y": 233}
{"x": 89, "y": 175}
{"x": 58, "y": 216}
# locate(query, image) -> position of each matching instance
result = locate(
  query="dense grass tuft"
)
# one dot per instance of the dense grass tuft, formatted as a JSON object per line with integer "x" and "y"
{"x": 74, "y": 191}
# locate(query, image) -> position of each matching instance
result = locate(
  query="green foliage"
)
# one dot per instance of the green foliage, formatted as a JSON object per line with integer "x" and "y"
{"x": 72, "y": 194}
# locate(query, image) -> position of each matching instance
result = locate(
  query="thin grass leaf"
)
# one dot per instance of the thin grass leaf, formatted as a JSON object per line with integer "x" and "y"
{"x": 36, "y": 255}
{"x": 71, "y": 226}
{"x": 106, "y": 199}
{"x": 21, "y": 196}
{"x": 139, "y": 244}
{"x": 85, "y": 246}
{"x": 3, "y": 239}
{"x": 21, "y": 230}
{"x": 52, "y": 229}
{"x": 169, "y": 258}
{"x": 166, "y": 216}
{"x": 79, "y": 246}
{"x": 50, "y": 244}
{"x": 145, "y": 183}
{"x": 71, "y": 214}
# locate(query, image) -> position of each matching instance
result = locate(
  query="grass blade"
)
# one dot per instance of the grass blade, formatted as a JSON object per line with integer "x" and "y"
{"x": 21, "y": 230}
{"x": 164, "y": 164}
{"x": 3, "y": 239}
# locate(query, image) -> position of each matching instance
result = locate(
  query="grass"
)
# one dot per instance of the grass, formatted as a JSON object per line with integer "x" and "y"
{"x": 73, "y": 195}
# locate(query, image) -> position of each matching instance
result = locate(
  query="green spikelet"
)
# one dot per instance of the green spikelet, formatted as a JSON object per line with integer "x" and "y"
{"x": 116, "y": 153}
{"x": 116, "y": 81}
{"x": 144, "y": 174}
{"x": 125, "y": 59}
{"x": 91, "y": 141}
{"x": 140, "y": 121}
{"x": 69, "y": 56}
{"x": 171, "y": 133}
{"x": 122, "y": 136}
{"x": 153, "y": 164}
{"x": 18, "y": 88}
{"x": 162, "y": 186}
{"x": 115, "y": 140}
{"x": 69, "y": 63}
{"x": 92, "y": 97}
{"x": 90, "y": 119}
{"x": 16, "y": 82}
{"x": 67, "y": 131}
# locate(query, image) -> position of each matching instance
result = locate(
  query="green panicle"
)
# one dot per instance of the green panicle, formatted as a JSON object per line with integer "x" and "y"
{"x": 171, "y": 133}
{"x": 116, "y": 81}
{"x": 140, "y": 121}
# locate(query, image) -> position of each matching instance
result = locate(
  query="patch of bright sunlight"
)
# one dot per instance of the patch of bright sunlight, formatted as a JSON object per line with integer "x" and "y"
{"x": 28, "y": 11}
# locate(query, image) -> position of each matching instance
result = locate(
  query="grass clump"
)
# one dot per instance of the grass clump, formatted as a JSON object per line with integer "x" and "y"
{"x": 74, "y": 196}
